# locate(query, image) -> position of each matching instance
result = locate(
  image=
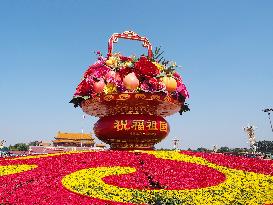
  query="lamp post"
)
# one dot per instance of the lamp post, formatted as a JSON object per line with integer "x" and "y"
{"x": 268, "y": 110}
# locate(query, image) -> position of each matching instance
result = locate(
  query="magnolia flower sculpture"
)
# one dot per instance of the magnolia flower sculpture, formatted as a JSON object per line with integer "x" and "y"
{"x": 131, "y": 95}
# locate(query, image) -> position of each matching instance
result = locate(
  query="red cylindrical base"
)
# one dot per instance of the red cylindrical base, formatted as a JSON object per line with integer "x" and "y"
{"x": 131, "y": 131}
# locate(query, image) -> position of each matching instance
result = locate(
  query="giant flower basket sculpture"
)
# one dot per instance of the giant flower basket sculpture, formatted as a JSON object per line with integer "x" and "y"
{"x": 131, "y": 95}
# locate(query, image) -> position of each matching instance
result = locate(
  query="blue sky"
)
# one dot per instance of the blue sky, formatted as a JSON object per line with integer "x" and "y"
{"x": 225, "y": 48}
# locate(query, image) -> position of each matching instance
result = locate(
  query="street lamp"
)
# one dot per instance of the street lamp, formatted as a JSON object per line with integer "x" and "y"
{"x": 268, "y": 110}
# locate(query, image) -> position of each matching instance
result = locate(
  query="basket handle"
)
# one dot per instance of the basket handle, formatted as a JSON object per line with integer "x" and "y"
{"x": 131, "y": 35}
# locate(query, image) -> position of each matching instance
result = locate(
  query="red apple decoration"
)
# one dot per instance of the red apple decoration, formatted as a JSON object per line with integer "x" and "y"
{"x": 130, "y": 81}
{"x": 98, "y": 86}
{"x": 170, "y": 83}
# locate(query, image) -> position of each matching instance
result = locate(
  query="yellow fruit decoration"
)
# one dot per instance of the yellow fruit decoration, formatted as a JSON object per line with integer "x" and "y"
{"x": 170, "y": 83}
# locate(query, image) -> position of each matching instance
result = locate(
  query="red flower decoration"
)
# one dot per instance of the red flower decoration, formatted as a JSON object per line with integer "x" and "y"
{"x": 124, "y": 71}
{"x": 145, "y": 68}
{"x": 83, "y": 89}
{"x": 124, "y": 58}
{"x": 177, "y": 76}
{"x": 97, "y": 70}
{"x": 155, "y": 84}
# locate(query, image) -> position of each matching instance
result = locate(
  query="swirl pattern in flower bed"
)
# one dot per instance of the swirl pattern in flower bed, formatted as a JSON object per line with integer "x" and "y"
{"x": 144, "y": 178}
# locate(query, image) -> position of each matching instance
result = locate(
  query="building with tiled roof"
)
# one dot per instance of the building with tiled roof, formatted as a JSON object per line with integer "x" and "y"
{"x": 74, "y": 140}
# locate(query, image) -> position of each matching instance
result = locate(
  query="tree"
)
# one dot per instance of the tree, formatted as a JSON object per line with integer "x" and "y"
{"x": 19, "y": 147}
{"x": 224, "y": 149}
{"x": 4, "y": 149}
{"x": 264, "y": 146}
{"x": 34, "y": 143}
{"x": 202, "y": 149}
{"x": 239, "y": 150}
{"x": 22, "y": 147}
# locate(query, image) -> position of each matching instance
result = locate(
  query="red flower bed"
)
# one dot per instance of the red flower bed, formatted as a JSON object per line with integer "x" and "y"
{"x": 167, "y": 174}
{"x": 43, "y": 185}
{"x": 237, "y": 162}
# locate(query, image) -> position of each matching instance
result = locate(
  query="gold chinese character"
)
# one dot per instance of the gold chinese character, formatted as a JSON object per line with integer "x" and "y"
{"x": 121, "y": 125}
{"x": 138, "y": 124}
{"x": 151, "y": 125}
{"x": 163, "y": 126}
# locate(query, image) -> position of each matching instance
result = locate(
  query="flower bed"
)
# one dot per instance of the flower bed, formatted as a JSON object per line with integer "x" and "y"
{"x": 120, "y": 177}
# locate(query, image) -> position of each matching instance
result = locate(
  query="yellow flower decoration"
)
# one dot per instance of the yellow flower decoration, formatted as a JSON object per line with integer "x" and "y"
{"x": 110, "y": 88}
{"x": 113, "y": 61}
{"x": 240, "y": 187}
{"x": 13, "y": 169}
{"x": 159, "y": 66}
{"x": 128, "y": 64}
{"x": 89, "y": 182}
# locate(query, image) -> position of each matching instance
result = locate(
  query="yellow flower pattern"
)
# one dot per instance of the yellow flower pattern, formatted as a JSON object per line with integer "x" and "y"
{"x": 239, "y": 186}
{"x": 110, "y": 88}
{"x": 13, "y": 169}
